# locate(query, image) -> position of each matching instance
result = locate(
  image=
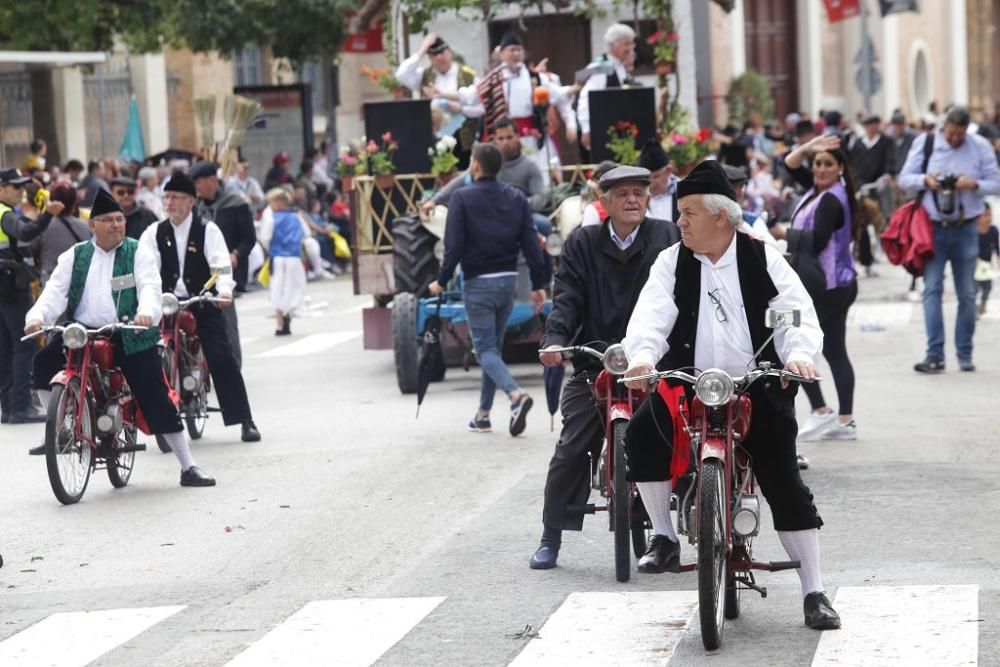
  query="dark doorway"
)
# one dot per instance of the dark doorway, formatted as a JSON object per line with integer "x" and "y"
{"x": 563, "y": 39}
{"x": 772, "y": 49}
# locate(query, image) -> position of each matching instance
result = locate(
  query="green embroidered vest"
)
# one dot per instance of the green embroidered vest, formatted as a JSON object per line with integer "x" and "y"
{"x": 127, "y": 299}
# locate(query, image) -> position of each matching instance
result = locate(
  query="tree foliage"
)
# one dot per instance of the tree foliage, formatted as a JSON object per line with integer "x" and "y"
{"x": 749, "y": 93}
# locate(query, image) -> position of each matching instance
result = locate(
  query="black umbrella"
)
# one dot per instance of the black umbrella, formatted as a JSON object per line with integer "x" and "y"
{"x": 552, "y": 376}
{"x": 431, "y": 358}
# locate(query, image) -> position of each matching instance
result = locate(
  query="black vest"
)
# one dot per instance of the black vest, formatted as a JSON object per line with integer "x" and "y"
{"x": 757, "y": 290}
{"x": 196, "y": 269}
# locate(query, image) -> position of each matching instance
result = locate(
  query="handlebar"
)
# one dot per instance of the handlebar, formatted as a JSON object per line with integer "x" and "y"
{"x": 106, "y": 329}
{"x": 741, "y": 381}
{"x": 575, "y": 349}
{"x": 202, "y": 298}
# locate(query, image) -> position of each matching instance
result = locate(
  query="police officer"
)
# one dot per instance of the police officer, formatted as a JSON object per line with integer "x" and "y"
{"x": 188, "y": 250}
{"x": 15, "y": 299}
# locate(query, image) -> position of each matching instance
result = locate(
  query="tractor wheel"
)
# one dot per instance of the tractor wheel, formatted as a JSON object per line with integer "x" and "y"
{"x": 404, "y": 341}
{"x": 414, "y": 264}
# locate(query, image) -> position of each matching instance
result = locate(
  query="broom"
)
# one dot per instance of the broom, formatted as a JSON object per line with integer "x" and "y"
{"x": 204, "y": 113}
{"x": 244, "y": 112}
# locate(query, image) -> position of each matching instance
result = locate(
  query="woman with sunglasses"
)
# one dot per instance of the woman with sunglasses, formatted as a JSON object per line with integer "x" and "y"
{"x": 824, "y": 222}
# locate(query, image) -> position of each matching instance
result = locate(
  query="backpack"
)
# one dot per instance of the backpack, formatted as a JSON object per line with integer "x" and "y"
{"x": 908, "y": 241}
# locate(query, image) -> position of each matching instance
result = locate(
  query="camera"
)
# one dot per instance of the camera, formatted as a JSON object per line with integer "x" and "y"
{"x": 946, "y": 198}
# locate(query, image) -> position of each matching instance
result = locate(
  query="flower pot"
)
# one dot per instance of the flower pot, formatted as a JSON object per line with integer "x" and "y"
{"x": 682, "y": 170}
{"x": 664, "y": 68}
{"x": 443, "y": 179}
{"x": 385, "y": 181}
{"x": 347, "y": 183}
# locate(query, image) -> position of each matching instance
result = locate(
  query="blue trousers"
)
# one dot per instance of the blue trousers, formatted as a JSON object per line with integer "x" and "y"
{"x": 488, "y": 302}
{"x": 960, "y": 246}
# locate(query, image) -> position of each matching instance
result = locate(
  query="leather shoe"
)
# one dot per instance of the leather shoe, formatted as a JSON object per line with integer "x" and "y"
{"x": 195, "y": 476}
{"x": 38, "y": 450}
{"x": 663, "y": 555}
{"x": 929, "y": 366}
{"x": 250, "y": 432}
{"x": 819, "y": 612}
{"x": 31, "y": 417}
{"x": 545, "y": 558}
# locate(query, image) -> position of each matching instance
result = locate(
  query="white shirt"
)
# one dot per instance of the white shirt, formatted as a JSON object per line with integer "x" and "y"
{"x": 718, "y": 344}
{"x": 216, "y": 252}
{"x": 411, "y": 74}
{"x": 97, "y": 303}
{"x": 518, "y": 90}
{"x": 596, "y": 82}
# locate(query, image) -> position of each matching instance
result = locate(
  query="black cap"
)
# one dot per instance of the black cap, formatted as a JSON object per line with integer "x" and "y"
{"x": 510, "y": 39}
{"x": 653, "y": 157}
{"x": 898, "y": 118}
{"x": 103, "y": 204}
{"x": 124, "y": 181}
{"x": 202, "y": 169}
{"x": 873, "y": 118}
{"x": 624, "y": 173}
{"x": 832, "y": 118}
{"x": 178, "y": 182}
{"x": 804, "y": 127}
{"x": 708, "y": 178}
{"x": 439, "y": 46}
{"x": 736, "y": 175}
{"x": 12, "y": 177}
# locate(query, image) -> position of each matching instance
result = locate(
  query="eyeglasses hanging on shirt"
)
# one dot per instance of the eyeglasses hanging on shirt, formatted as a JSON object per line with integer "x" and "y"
{"x": 720, "y": 312}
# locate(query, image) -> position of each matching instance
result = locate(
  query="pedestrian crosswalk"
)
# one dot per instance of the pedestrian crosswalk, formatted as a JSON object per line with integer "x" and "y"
{"x": 882, "y": 625}
{"x": 309, "y": 345}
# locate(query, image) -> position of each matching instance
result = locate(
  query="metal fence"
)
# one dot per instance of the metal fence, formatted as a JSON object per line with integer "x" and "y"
{"x": 106, "y": 95}
{"x": 16, "y": 127}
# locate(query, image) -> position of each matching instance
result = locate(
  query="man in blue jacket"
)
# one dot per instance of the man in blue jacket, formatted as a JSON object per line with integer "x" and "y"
{"x": 488, "y": 224}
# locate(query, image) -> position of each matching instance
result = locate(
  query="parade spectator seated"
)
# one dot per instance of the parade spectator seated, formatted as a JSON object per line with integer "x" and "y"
{"x": 278, "y": 173}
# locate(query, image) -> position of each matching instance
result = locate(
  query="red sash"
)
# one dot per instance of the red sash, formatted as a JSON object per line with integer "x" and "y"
{"x": 681, "y": 459}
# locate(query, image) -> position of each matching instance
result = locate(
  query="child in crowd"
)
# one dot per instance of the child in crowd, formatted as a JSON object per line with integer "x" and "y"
{"x": 989, "y": 247}
{"x": 284, "y": 230}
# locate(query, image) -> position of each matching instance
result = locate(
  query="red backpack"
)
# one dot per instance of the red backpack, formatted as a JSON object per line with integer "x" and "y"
{"x": 908, "y": 241}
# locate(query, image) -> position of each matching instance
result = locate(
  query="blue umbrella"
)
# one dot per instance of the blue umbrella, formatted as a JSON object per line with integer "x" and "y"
{"x": 552, "y": 376}
{"x": 133, "y": 147}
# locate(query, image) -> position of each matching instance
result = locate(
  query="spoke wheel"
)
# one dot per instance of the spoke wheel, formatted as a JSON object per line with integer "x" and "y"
{"x": 196, "y": 413}
{"x": 620, "y": 505}
{"x": 68, "y": 459}
{"x": 120, "y": 463}
{"x": 711, "y": 554}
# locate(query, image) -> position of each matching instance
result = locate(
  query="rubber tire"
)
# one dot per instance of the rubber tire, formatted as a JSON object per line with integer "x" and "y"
{"x": 55, "y": 481}
{"x": 709, "y": 509}
{"x": 732, "y": 597}
{"x": 640, "y": 534}
{"x": 120, "y": 479}
{"x": 404, "y": 341}
{"x": 196, "y": 424}
{"x": 620, "y": 504}
{"x": 414, "y": 265}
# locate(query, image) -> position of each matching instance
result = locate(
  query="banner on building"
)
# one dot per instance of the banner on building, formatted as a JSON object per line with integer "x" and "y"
{"x": 897, "y": 6}
{"x": 838, "y": 10}
{"x": 369, "y": 41}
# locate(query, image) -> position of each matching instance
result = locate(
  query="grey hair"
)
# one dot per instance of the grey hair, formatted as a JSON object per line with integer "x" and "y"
{"x": 616, "y": 32}
{"x": 721, "y": 203}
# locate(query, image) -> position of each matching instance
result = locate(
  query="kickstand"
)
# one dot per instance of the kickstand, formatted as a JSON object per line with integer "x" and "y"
{"x": 749, "y": 582}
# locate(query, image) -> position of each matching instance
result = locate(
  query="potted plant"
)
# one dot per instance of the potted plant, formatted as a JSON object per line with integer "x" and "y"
{"x": 687, "y": 149}
{"x": 443, "y": 159}
{"x": 353, "y": 161}
{"x": 621, "y": 142}
{"x": 384, "y": 79}
{"x": 380, "y": 162}
{"x": 664, "y": 45}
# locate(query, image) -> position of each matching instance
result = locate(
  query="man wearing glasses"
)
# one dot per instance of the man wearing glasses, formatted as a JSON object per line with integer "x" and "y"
{"x": 15, "y": 300}
{"x": 137, "y": 217}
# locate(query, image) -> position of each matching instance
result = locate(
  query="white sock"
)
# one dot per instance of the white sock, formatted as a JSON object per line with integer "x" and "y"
{"x": 656, "y": 498}
{"x": 803, "y": 546}
{"x": 43, "y": 397}
{"x": 182, "y": 448}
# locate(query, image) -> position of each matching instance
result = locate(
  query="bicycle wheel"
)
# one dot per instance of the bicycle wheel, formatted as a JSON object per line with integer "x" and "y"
{"x": 196, "y": 412}
{"x": 711, "y": 554}
{"x": 620, "y": 505}
{"x": 68, "y": 458}
{"x": 120, "y": 462}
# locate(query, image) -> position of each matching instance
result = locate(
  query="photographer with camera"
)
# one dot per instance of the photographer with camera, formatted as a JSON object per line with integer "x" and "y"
{"x": 961, "y": 170}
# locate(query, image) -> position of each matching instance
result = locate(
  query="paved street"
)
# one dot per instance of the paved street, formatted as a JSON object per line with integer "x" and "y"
{"x": 354, "y": 534}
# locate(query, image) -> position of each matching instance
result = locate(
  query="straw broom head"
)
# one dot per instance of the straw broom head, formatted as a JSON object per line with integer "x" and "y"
{"x": 244, "y": 112}
{"x": 204, "y": 113}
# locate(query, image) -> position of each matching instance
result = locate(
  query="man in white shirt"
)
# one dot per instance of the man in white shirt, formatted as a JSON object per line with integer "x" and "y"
{"x": 188, "y": 251}
{"x": 663, "y": 184}
{"x": 620, "y": 42}
{"x": 703, "y": 306}
{"x": 81, "y": 287}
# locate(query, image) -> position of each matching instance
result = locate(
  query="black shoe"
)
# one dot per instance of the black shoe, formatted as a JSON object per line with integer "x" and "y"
{"x": 929, "y": 366}
{"x": 195, "y": 476}
{"x": 819, "y": 613}
{"x": 966, "y": 365}
{"x": 519, "y": 414}
{"x": 31, "y": 417}
{"x": 250, "y": 432}
{"x": 663, "y": 555}
{"x": 545, "y": 558}
{"x": 37, "y": 451}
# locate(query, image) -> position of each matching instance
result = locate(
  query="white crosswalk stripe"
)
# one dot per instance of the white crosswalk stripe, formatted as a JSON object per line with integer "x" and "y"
{"x": 73, "y": 639}
{"x": 612, "y": 629}
{"x": 341, "y": 632}
{"x": 894, "y": 626}
{"x": 870, "y": 316}
{"x": 311, "y": 344}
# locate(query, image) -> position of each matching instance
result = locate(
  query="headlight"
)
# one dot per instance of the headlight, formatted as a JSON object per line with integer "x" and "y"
{"x": 170, "y": 305}
{"x": 74, "y": 336}
{"x": 615, "y": 359}
{"x": 714, "y": 387}
{"x": 554, "y": 244}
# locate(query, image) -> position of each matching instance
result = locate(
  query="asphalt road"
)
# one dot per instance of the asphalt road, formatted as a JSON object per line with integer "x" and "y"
{"x": 355, "y": 533}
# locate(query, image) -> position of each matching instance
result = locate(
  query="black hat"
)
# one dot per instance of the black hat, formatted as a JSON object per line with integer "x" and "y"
{"x": 653, "y": 157}
{"x": 898, "y": 118}
{"x": 103, "y": 204}
{"x": 439, "y": 46}
{"x": 708, "y": 178}
{"x": 12, "y": 177}
{"x": 202, "y": 169}
{"x": 804, "y": 127}
{"x": 510, "y": 39}
{"x": 124, "y": 181}
{"x": 872, "y": 118}
{"x": 178, "y": 182}
{"x": 623, "y": 173}
{"x": 736, "y": 175}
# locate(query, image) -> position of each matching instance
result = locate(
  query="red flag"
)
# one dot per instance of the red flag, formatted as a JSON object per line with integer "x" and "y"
{"x": 838, "y": 10}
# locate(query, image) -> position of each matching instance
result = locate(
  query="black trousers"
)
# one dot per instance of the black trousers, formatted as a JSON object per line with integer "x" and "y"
{"x": 831, "y": 309}
{"x": 143, "y": 371}
{"x": 222, "y": 364}
{"x": 771, "y": 444}
{"x": 569, "y": 478}
{"x": 233, "y": 332}
{"x": 15, "y": 357}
